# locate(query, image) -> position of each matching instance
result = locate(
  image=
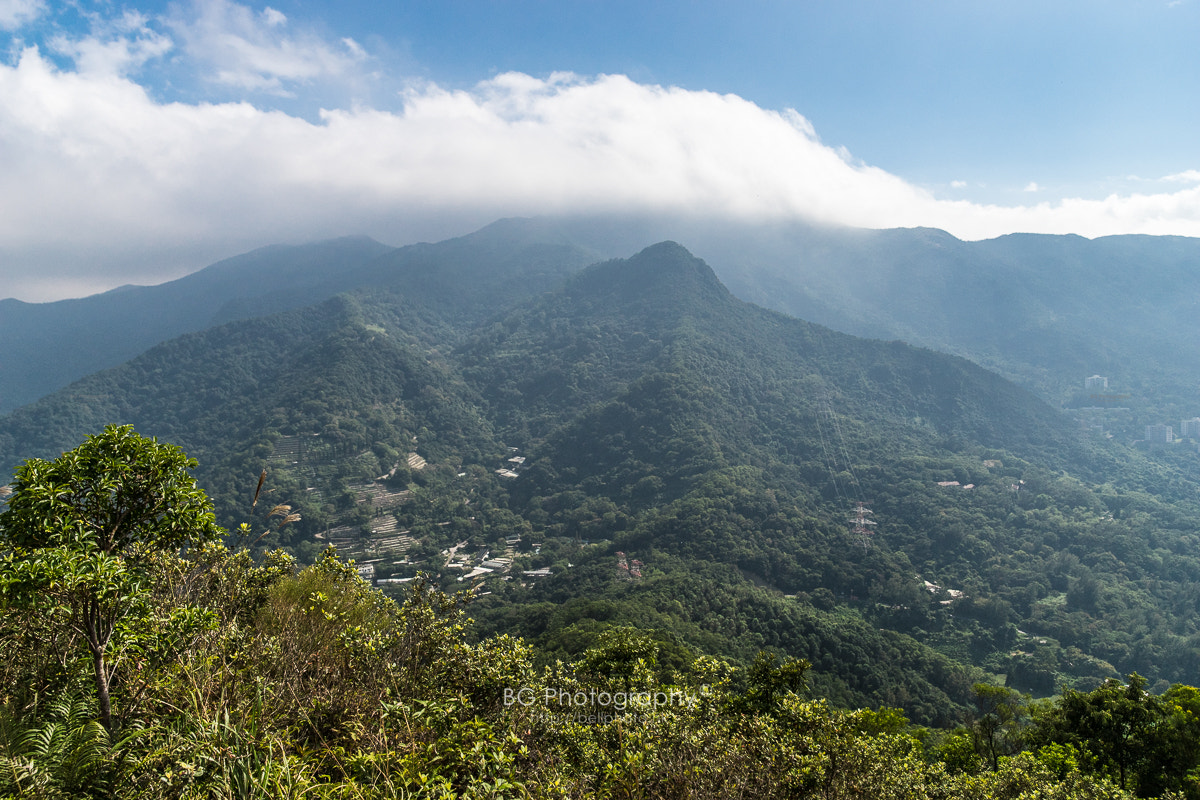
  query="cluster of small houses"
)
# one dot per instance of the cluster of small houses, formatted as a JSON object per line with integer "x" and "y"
{"x": 628, "y": 570}
{"x": 516, "y": 463}
{"x": 989, "y": 464}
{"x": 484, "y": 563}
{"x": 385, "y": 540}
{"x": 933, "y": 588}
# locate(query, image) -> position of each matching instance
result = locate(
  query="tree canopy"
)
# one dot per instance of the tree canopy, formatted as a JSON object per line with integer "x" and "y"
{"x": 80, "y": 531}
{"x": 117, "y": 493}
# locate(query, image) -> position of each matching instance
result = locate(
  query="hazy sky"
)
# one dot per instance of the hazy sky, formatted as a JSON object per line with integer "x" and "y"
{"x": 141, "y": 141}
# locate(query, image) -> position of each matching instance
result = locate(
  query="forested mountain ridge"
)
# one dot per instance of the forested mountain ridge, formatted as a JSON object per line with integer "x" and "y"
{"x": 1046, "y": 311}
{"x": 665, "y": 306}
{"x": 107, "y": 329}
{"x": 742, "y": 437}
{"x": 720, "y": 445}
{"x": 466, "y": 275}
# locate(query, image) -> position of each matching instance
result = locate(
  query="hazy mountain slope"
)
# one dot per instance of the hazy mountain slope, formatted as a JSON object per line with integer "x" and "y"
{"x": 48, "y": 345}
{"x": 1046, "y": 311}
{"x": 464, "y": 277}
{"x": 1043, "y": 310}
{"x": 475, "y": 277}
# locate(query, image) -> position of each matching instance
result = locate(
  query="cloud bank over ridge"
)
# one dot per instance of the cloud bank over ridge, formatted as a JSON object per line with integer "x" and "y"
{"x": 108, "y": 184}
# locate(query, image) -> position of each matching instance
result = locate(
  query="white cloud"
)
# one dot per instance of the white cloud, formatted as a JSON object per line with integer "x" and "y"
{"x": 114, "y": 47}
{"x": 15, "y": 13}
{"x": 1032, "y": 187}
{"x": 1187, "y": 176}
{"x": 273, "y": 18}
{"x": 105, "y": 185}
{"x": 958, "y": 184}
{"x": 256, "y": 51}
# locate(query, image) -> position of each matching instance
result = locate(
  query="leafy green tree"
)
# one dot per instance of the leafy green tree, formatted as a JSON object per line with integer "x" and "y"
{"x": 958, "y": 751}
{"x": 1175, "y": 744}
{"x": 997, "y": 725}
{"x": 771, "y": 679}
{"x": 1113, "y": 725}
{"x": 80, "y": 535}
{"x": 622, "y": 655}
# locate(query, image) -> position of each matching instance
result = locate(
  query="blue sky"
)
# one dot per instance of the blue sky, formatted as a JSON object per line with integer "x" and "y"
{"x": 142, "y": 140}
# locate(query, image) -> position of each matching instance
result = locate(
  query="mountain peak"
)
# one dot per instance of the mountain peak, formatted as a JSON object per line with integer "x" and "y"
{"x": 672, "y": 255}
{"x": 666, "y": 271}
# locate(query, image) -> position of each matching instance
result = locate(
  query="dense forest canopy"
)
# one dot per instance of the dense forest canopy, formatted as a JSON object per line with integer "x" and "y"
{"x": 216, "y": 675}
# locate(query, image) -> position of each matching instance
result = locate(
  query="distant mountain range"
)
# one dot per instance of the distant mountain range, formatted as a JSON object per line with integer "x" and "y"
{"x": 490, "y": 401}
{"x": 1046, "y": 311}
{"x": 48, "y": 345}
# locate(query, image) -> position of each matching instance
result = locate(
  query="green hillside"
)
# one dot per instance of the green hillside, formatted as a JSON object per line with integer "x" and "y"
{"x": 105, "y": 330}
{"x": 707, "y": 431}
{"x": 464, "y": 276}
{"x": 1044, "y": 311}
{"x": 641, "y": 413}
